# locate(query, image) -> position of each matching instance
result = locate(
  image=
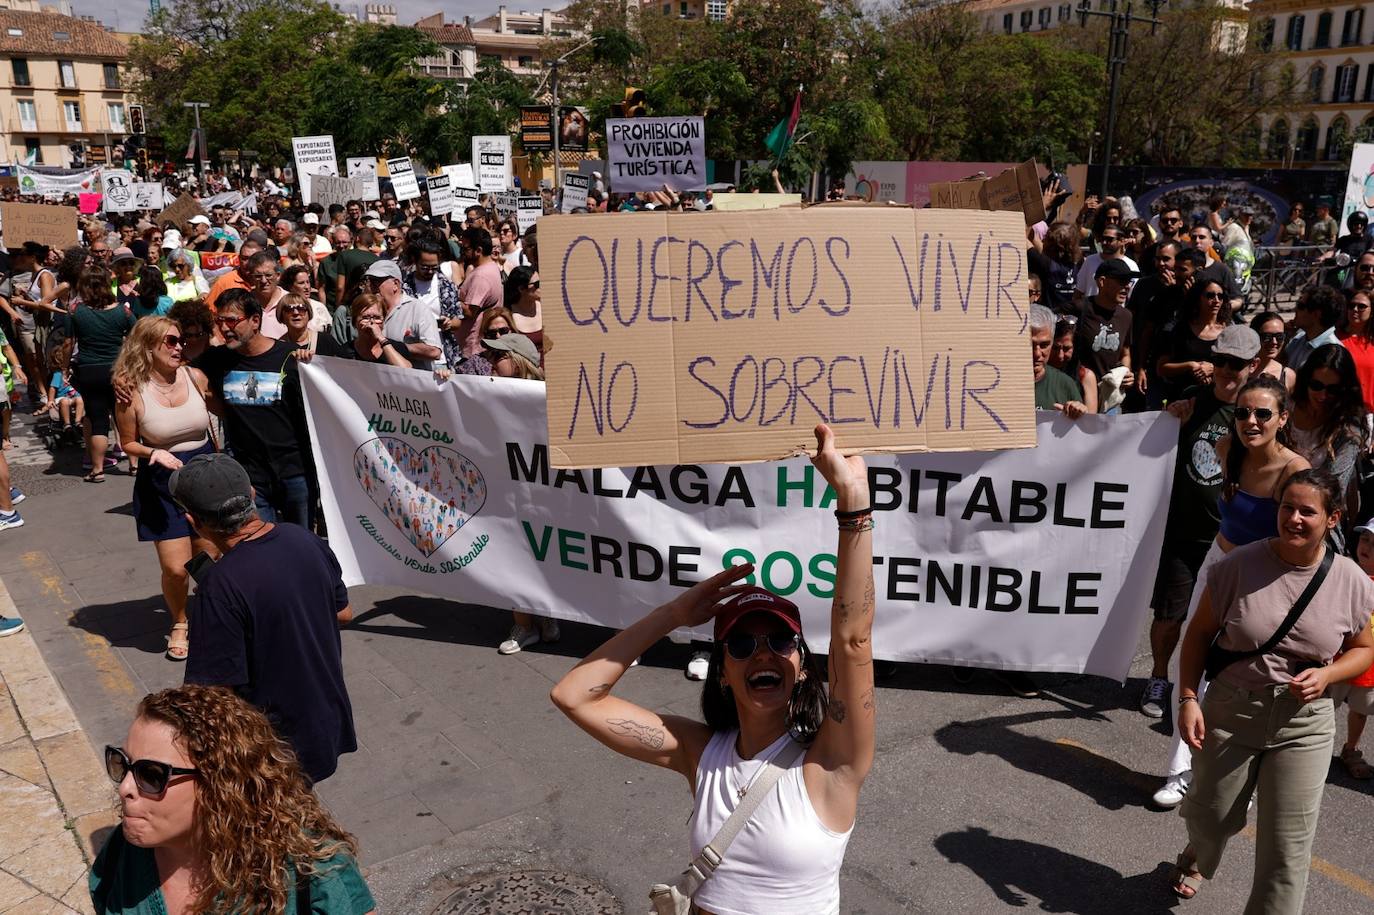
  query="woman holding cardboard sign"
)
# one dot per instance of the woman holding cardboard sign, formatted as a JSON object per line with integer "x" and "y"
{"x": 777, "y": 747}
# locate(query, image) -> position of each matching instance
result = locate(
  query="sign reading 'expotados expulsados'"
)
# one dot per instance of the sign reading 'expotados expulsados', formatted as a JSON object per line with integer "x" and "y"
{"x": 1040, "y": 559}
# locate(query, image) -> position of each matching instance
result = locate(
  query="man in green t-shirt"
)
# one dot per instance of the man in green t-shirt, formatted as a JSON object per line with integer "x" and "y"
{"x": 339, "y": 273}
{"x": 1053, "y": 389}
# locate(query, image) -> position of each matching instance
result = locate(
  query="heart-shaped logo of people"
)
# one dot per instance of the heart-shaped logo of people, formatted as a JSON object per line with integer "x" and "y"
{"x": 429, "y": 495}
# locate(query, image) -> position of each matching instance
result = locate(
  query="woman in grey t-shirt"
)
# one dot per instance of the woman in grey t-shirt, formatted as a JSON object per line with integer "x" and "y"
{"x": 1266, "y": 721}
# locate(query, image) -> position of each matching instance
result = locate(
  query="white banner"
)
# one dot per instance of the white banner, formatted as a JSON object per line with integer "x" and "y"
{"x": 647, "y": 153}
{"x": 43, "y": 184}
{"x": 314, "y": 156}
{"x": 1037, "y": 560}
{"x": 575, "y": 189}
{"x": 119, "y": 190}
{"x": 491, "y": 162}
{"x": 1359, "y": 183}
{"x": 364, "y": 168}
{"x": 402, "y": 174}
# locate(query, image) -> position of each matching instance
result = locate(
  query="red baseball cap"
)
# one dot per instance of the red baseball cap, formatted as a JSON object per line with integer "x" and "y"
{"x": 756, "y": 600}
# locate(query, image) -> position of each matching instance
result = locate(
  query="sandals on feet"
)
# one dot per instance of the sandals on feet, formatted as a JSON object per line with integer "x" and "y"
{"x": 95, "y": 476}
{"x": 179, "y": 648}
{"x": 1186, "y": 881}
{"x": 1355, "y": 765}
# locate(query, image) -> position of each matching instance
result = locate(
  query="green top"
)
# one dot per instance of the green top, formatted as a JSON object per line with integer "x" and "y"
{"x": 100, "y": 333}
{"x": 124, "y": 881}
{"x": 1055, "y": 387}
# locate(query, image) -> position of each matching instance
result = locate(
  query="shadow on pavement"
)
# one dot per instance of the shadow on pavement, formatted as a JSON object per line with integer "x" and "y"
{"x": 1108, "y": 783}
{"x": 140, "y": 623}
{"x": 1015, "y": 869}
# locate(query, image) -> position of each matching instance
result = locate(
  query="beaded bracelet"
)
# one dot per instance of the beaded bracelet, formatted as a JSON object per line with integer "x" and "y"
{"x": 856, "y": 525}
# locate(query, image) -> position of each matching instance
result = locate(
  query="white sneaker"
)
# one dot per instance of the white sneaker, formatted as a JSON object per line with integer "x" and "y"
{"x": 548, "y": 630}
{"x": 1174, "y": 790}
{"x": 9, "y": 520}
{"x": 520, "y": 638}
{"x": 699, "y": 665}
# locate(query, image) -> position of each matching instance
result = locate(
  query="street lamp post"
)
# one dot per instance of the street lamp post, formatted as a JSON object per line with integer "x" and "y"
{"x": 1122, "y": 18}
{"x": 201, "y": 145}
{"x": 553, "y": 89}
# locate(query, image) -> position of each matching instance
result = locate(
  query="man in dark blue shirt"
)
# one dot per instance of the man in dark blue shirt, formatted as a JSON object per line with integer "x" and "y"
{"x": 266, "y": 622}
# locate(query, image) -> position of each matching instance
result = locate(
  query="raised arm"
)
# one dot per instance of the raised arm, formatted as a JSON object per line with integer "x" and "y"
{"x": 584, "y": 694}
{"x": 843, "y": 748}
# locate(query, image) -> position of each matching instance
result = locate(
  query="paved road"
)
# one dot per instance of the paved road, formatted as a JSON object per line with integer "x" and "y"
{"x": 469, "y": 781}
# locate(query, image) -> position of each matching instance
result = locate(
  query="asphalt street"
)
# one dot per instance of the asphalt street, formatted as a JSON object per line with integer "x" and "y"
{"x": 472, "y": 793}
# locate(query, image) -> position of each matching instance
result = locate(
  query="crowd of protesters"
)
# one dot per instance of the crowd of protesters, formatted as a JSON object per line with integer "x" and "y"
{"x": 171, "y": 346}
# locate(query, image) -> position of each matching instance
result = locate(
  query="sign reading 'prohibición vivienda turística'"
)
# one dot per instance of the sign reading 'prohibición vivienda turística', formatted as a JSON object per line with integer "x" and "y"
{"x": 728, "y": 336}
{"x": 1029, "y": 560}
{"x": 645, "y": 154}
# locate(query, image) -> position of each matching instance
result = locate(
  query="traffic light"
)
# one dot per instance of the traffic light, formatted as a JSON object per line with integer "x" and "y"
{"x": 143, "y": 161}
{"x": 635, "y": 103}
{"x": 136, "y": 119}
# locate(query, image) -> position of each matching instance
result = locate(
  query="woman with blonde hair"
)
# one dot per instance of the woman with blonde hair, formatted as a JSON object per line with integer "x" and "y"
{"x": 165, "y": 424}
{"x": 218, "y": 818}
{"x": 514, "y": 356}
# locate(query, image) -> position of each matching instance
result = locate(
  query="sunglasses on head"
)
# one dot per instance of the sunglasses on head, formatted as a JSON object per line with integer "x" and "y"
{"x": 1261, "y": 414}
{"x": 742, "y": 645}
{"x": 1234, "y": 363}
{"x": 150, "y": 776}
{"x": 1319, "y": 386}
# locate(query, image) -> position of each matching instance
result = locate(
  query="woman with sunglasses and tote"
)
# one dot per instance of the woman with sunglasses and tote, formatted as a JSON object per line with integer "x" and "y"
{"x": 165, "y": 424}
{"x": 766, "y": 708}
{"x": 1273, "y": 616}
{"x": 218, "y": 818}
{"x": 1329, "y": 423}
{"x": 1255, "y": 465}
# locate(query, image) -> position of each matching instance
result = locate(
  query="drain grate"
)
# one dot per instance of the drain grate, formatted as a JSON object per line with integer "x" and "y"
{"x": 531, "y": 893}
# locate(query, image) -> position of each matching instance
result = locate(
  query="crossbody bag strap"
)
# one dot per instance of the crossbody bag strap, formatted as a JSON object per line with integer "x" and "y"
{"x": 1218, "y": 658}
{"x": 705, "y": 863}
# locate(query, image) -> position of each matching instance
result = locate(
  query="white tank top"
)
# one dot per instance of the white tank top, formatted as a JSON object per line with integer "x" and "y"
{"x": 784, "y": 861}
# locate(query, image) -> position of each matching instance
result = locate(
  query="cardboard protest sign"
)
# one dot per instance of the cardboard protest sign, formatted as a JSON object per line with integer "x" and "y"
{"x": 51, "y": 225}
{"x": 528, "y": 209}
{"x": 314, "y": 156}
{"x": 647, "y": 153}
{"x": 536, "y": 128}
{"x": 731, "y": 203}
{"x": 327, "y": 190}
{"x": 1015, "y": 189}
{"x": 148, "y": 195}
{"x": 491, "y": 162}
{"x": 440, "y": 195}
{"x": 364, "y": 169}
{"x": 504, "y": 203}
{"x": 688, "y": 338}
{"x": 183, "y": 209}
{"x": 574, "y": 192}
{"x": 119, "y": 190}
{"x": 403, "y": 183}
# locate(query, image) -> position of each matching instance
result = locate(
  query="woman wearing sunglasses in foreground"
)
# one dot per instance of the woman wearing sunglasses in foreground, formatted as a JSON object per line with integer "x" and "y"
{"x": 218, "y": 818}
{"x": 763, "y": 699}
{"x": 163, "y": 425}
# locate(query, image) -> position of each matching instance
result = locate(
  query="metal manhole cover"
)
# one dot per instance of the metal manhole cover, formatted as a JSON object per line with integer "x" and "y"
{"x": 531, "y": 893}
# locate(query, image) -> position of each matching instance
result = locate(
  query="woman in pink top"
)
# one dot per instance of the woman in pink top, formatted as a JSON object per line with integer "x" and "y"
{"x": 165, "y": 424}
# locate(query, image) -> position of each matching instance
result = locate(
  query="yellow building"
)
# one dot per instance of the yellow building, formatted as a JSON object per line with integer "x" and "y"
{"x": 61, "y": 84}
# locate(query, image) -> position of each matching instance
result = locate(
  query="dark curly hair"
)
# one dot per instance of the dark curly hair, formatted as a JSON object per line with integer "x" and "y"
{"x": 255, "y": 815}
{"x": 806, "y": 707}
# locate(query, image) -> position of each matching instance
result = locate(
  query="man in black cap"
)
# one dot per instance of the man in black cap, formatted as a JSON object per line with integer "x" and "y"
{"x": 266, "y": 621}
{"x": 1103, "y": 338}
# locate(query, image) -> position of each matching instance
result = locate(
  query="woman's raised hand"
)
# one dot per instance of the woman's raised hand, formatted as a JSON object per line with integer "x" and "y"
{"x": 848, "y": 476}
{"x": 699, "y": 603}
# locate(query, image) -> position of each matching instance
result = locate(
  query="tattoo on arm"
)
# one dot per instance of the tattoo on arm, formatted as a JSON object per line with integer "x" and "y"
{"x": 870, "y": 701}
{"x": 838, "y": 710}
{"x": 870, "y": 596}
{"x": 644, "y": 734}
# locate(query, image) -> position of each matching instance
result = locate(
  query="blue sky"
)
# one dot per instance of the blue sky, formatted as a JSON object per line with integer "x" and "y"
{"x": 128, "y": 15}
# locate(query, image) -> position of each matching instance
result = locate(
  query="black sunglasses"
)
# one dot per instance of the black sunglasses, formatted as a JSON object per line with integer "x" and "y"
{"x": 1234, "y": 363}
{"x": 742, "y": 646}
{"x": 1267, "y": 338}
{"x": 496, "y": 332}
{"x": 1320, "y": 386}
{"x": 1262, "y": 414}
{"x": 150, "y": 776}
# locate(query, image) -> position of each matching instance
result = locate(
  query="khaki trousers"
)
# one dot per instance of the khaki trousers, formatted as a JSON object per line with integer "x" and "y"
{"x": 1269, "y": 740}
